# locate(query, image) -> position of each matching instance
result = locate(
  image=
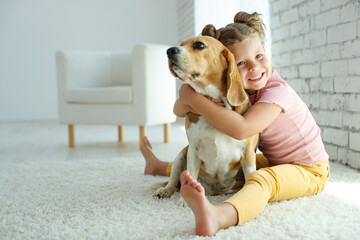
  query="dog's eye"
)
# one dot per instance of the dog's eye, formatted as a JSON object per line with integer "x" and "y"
{"x": 199, "y": 45}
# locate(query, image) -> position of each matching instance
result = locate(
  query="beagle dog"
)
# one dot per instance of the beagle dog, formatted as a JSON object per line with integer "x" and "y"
{"x": 218, "y": 161}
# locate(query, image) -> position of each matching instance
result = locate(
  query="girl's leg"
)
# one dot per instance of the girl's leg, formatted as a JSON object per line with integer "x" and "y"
{"x": 153, "y": 166}
{"x": 209, "y": 219}
{"x": 156, "y": 167}
{"x": 261, "y": 161}
{"x": 281, "y": 182}
{"x": 268, "y": 184}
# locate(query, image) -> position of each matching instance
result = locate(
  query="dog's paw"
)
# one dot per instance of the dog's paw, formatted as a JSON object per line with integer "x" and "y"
{"x": 164, "y": 192}
{"x": 182, "y": 202}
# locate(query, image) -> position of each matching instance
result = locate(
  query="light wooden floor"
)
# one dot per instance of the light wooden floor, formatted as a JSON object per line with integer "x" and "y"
{"x": 44, "y": 140}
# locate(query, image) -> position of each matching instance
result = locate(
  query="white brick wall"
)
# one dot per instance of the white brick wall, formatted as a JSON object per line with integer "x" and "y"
{"x": 316, "y": 49}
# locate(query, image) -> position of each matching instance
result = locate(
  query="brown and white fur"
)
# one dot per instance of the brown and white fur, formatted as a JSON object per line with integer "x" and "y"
{"x": 212, "y": 157}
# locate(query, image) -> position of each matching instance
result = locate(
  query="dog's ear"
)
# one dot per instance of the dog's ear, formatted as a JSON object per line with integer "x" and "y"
{"x": 235, "y": 94}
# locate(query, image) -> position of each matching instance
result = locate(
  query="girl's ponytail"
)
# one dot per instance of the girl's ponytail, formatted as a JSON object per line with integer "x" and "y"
{"x": 245, "y": 25}
{"x": 252, "y": 20}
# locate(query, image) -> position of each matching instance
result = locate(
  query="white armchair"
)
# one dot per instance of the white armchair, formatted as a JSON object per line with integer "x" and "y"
{"x": 116, "y": 88}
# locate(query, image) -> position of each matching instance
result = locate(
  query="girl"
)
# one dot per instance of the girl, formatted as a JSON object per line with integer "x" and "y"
{"x": 294, "y": 162}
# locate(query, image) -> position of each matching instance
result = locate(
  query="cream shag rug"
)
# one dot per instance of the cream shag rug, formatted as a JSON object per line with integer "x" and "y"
{"x": 111, "y": 199}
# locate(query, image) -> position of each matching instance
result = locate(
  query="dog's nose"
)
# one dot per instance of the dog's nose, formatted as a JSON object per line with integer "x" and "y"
{"x": 172, "y": 51}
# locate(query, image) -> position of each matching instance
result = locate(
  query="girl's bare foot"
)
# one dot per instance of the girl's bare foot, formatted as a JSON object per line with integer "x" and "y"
{"x": 209, "y": 219}
{"x": 153, "y": 166}
{"x": 206, "y": 220}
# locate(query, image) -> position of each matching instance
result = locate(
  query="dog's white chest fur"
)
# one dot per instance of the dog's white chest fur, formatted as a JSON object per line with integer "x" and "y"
{"x": 215, "y": 150}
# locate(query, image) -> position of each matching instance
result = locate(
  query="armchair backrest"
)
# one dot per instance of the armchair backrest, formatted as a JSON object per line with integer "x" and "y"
{"x": 121, "y": 68}
{"x": 94, "y": 68}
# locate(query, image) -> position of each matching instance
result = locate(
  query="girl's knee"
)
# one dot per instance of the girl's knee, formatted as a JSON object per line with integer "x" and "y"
{"x": 262, "y": 176}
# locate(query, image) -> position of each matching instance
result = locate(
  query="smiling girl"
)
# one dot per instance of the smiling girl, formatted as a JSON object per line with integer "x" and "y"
{"x": 293, "y": 162}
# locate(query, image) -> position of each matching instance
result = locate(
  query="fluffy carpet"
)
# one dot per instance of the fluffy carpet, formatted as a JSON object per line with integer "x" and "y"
{"x": 111, "y": 199}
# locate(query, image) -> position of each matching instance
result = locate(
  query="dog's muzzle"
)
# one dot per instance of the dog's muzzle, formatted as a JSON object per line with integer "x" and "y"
{"x": 175, "y": 63}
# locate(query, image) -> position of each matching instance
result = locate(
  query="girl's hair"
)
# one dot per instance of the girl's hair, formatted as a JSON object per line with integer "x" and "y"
{"x": 245, "y": 25}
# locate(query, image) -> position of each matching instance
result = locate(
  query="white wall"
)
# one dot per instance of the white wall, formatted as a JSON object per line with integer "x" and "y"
{"x": 31, "y": 32}
{"x": 316, "y": 49}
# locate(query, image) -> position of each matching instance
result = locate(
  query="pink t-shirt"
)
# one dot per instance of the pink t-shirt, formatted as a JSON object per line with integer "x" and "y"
{"x": 294, "y": 135}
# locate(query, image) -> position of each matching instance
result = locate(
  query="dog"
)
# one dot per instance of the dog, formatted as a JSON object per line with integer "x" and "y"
{"x": 218, "y": 161}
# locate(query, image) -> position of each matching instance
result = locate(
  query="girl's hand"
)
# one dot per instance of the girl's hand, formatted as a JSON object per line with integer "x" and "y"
{"x": 217, "y": 101}
{"x": 186, "y": 94}
{"x": 182, "y": 104}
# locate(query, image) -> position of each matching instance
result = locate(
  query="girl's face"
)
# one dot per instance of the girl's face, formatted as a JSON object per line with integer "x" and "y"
{"x": 253, "y": 65}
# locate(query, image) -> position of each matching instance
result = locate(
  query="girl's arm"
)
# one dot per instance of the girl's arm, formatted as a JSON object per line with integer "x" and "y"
{"x": 254, "y": 120}
{"x": 180, "y": 109}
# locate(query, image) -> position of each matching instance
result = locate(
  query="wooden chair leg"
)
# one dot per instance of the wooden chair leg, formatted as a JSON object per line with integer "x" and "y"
{"x": 120, "y": 133}
{"x": 142, "y": 132}
{"x": 71, "y": 136}
{"x": 167, "y": 132}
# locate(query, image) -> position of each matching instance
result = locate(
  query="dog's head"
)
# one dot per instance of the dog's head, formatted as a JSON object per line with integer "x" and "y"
{"x": 209, "y": 67}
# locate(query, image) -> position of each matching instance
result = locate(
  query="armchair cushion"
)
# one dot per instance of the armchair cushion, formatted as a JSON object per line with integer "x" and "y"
{"x": 100, "y": 95}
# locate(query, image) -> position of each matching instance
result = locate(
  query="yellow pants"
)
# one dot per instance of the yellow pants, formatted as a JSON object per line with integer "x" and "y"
{"x": 274, "y": 183}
